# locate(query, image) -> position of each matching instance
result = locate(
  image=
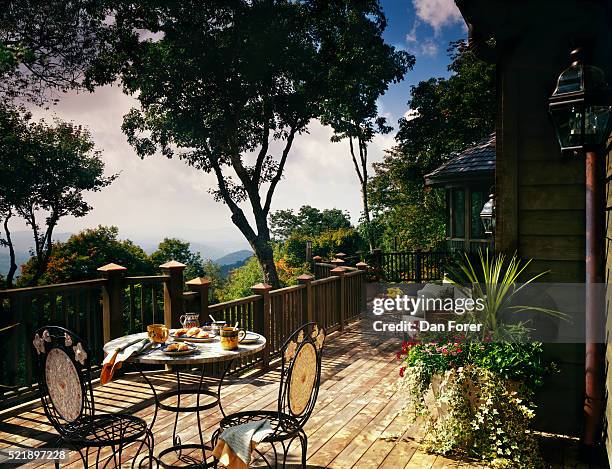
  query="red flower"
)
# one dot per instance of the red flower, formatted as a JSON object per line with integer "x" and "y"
{"x": 401, "y": 372}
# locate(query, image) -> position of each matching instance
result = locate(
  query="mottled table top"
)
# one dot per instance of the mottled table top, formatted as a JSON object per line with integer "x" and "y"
{"x": 206, "y": 353}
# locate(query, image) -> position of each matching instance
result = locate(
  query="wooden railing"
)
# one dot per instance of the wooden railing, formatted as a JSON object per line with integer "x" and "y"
{"x": 77, "y": 306}
{"x": 326, "y": 302}
{"x": 286, "y": 315}
{"x": 144, "y": 302}
{"x": 102, "y": 309}
{"x": 409, "y": 266}
{"x": 323, "y": 269}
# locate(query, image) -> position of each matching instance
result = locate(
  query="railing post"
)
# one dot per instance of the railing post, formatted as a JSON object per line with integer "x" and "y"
{"x": 112, "y": 301}
{"x": 363, "y": 268}
{"x": 201, "y": 286}
{"x": 308, "y": 302}
{"x": 339, "y": 272}
{"x": 417, "y": 265}
{"x": 261, "y": 319}
{"x": 377, "y": 257}
{"x": 173, "y": 293}
{"x": 315, "y": 261}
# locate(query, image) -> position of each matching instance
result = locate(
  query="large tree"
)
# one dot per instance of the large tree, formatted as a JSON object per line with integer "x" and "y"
{"x": 354, "y": 113}
{"x": 227, "y": 85}
{"x": 446, "y": 115}
{"x": 80, "y": 256}
{"x": 308, "y": 221}
{"x": 172, "y": 249}
{"x": 46, "y": 171}
{"x": 45, "y": 45}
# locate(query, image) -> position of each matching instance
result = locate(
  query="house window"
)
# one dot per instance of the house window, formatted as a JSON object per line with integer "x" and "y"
{"x": 458, "y": 213}
{"x": 478, "y": 199}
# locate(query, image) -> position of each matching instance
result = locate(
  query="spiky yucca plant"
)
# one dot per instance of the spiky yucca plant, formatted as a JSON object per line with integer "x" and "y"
{"x": 498, "y": 284}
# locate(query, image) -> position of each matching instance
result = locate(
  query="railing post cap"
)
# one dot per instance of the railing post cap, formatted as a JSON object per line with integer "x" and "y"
{"x": 172, "y": 265}
{"x": 111, "y": 268}
{"x": 337, "y": 261}
{"x": 261, "y": 287}
{"x": 304, "y": 278}
{"x": 317, "y": 258}
{"x": 198, "y": 281}
{"x": 338, "y": 271}
{"x": 361, "y": 265}
{"x": 340, "y": 255}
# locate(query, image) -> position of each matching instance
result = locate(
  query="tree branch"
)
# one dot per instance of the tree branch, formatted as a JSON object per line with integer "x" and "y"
{"x": 281, "y": 166}
{"x": 238, "y": 216}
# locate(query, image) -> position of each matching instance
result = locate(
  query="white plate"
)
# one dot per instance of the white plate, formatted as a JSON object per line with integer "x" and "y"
{"x": 179, "y": 353}
{"x": 195, "y": 340}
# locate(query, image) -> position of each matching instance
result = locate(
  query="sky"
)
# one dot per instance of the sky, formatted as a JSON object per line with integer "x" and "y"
{"x": 157, "y": 197}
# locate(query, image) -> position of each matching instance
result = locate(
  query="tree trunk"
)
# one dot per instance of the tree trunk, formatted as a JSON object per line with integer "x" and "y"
{"x": 265, "y": 256}
{"x": 366, "y": 212}
{"x": 260, "y": 242}
{"x": 13, "y": 263}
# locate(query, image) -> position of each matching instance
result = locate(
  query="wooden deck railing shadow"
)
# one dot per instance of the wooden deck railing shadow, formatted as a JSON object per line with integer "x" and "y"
{"x": 116, "y": 304}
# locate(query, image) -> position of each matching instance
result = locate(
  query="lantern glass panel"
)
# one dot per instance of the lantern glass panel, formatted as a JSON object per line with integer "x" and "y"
{"x": 568, "y": 119}
{"x": 570, "y": 81}
{"x": 596, "y": 125}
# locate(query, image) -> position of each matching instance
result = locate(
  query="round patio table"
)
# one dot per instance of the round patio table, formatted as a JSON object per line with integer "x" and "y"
{"x": 205, "y": 353}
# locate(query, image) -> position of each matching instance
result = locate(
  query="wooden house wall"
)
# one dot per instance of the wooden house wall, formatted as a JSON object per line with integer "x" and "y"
{"x": 540, "y": 206}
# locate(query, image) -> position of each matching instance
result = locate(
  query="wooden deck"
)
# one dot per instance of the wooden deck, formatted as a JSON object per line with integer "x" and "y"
{"x": 355, "y": 423}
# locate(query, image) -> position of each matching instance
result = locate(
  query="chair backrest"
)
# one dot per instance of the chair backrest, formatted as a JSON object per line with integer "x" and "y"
{"x": 301, "y": 372}
{"x": 63, "y": 372}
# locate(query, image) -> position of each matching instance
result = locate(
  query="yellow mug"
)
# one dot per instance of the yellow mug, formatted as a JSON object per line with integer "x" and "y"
{"x": 230, "y": 337}
{"x": 158, "y": 333}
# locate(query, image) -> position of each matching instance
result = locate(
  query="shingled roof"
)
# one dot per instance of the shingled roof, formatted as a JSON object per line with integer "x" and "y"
{"x": 474, "y": 163}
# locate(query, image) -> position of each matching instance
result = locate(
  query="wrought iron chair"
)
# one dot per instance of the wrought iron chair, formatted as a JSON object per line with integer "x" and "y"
{"x": 299, "y": 388}
{"x": 63, "y": 370}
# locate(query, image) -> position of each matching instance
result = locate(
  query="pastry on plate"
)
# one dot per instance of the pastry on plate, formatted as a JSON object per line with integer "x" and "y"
{"x": 203, "y": 335}
{"x": 194, "y": 331}
{"x": 180, "y": 332}
{"x": 183, "y": 347}
{"x": 174, "y": 347}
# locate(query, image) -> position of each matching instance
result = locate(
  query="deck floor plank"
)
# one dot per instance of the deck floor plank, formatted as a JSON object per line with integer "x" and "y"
{"x": 357, "y": 408}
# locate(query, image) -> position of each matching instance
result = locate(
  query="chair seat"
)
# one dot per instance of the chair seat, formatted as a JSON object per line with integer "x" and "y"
{"x": 108, "y": 430}
{"x": 284, "y": 425}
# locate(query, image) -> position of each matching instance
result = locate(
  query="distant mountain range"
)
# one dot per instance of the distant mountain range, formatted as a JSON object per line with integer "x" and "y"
{"x": 22, "y": 242}
{"x": 233, "y": 257}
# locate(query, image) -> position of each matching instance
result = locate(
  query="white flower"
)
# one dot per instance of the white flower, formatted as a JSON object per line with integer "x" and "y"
{"x": 46, "y": 336}
{"x": 79, "y": 354}
{"x": 39, "y": 344}
{"x": 67, "y": 339}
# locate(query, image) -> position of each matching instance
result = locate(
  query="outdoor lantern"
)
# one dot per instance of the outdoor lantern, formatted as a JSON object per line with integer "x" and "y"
{"x": 487, "y": 215}
{"x": 580, "y": 107}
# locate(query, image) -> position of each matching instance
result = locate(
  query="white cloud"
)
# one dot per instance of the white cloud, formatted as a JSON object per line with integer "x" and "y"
{"x": 428, "y": 47}
{"x": 159, "y": 197}
{"x": 437, "y": 13}
{"x": 412, "y": 34}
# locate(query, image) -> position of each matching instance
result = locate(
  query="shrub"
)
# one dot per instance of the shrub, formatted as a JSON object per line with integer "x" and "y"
{"x": 477, "y": 414}
{"x": 475, "y": 397}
